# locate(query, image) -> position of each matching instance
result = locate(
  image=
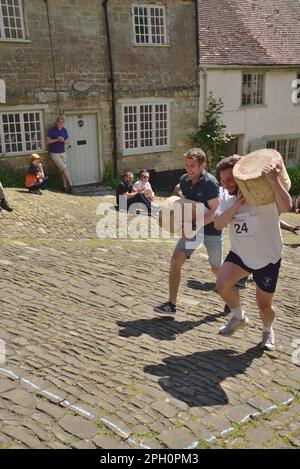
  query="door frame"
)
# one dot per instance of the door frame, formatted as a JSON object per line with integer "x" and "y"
{"x": 99, "y": 129}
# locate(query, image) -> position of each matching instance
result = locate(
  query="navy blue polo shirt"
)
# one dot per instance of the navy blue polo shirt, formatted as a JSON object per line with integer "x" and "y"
{"x": 205, "y": 189}
{"x": 123, "y": 188}
{"x": 54, "y": 133}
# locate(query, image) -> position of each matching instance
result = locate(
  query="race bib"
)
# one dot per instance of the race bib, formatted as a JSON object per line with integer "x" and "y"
{"x": 244, "y": 226}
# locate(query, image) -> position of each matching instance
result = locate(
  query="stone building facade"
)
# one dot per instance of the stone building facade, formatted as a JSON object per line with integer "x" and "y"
{"x": 54, "y": 60}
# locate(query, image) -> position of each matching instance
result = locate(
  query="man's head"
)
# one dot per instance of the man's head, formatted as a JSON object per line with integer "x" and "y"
{"x": 224, "y": 170}
{"x": 128, "y": 177}
{"x": 195, "y": 160}
{"x": 59, "y": 123}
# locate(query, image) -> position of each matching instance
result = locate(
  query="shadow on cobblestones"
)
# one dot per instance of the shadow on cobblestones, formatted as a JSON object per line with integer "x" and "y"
{"x": 196, "y": 285}
{"x": 162, "y": 328}
{"x": 196, "y": 379}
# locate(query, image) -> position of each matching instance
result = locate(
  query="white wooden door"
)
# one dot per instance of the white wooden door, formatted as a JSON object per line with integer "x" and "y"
{"x": 83, "y": 155}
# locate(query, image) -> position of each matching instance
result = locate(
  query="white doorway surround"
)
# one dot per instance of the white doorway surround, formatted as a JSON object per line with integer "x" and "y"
{"x": 84, "y": 153}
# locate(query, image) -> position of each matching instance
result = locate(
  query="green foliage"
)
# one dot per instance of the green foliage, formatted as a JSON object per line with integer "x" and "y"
{"x": 294, "y": 174}
{"x": 211, "y": 136}
{"x": 11, "y": 177}
{"x": 109, "y": 178}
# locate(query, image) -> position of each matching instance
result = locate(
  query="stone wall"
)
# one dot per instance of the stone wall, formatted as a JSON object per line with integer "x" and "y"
{"x": 80, "y": 54}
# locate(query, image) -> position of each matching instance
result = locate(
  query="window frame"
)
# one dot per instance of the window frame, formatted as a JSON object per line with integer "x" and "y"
{"x": 287, "y": 139}
{"x": 298, "y": 89}
{"x": 252, "y": 104}
{"x": 139, "y": 150}
{"x": 22, "y": 131}
{"x": 3, "y": 37}
{"x": 148, "y": 6}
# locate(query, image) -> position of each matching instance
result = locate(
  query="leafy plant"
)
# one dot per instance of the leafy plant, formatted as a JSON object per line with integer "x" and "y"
{"x": 211, "y": 136}
{"x": 294, "y": 174}
{"x": 109, "y": 178}
{"x": 11, "y": 177}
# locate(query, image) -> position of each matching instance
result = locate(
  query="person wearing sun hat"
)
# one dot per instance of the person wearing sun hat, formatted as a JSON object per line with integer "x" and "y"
{"x": 35, "y": 178}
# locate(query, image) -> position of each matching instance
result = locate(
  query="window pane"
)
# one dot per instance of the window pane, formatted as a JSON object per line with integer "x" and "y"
{"x": 12, "y": 17}
{"x": 13, "y": 134}
{"x": 157, "y": 25}
{"x": 130, "y": 127}
{"x": 146, "y": 125}
{"x": 252, "y": 88}
{"x": 141, "y": 25}
{"x": 149, "y": 25}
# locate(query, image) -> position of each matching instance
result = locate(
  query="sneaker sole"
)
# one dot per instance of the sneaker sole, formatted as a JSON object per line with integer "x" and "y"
{"x": 163, "y": 314}
{"x": 267, "y": 348}
{"x": 237, "y": 327}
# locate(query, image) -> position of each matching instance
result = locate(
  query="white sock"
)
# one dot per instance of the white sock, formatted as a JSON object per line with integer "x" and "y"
{"x": 267, "y": 328}
{"x": 238, "y": 312}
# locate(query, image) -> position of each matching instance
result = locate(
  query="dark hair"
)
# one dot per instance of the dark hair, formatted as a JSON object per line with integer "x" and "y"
{"x": 196, "y": 154}
{"x": 144, "y": 171}
{"x": 227, "y": 163}
{"x": 127, "y": 174}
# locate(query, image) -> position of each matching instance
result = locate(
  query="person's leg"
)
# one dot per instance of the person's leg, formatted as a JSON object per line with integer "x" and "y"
{"x": 267, "y": 314}
{"x": 265, "y": 306}
{"x": 266, "y": 281}
{"x": 67, "y": 178}
{"x": 214, "y": 248}
{"x": 64, "y": 180}
{"x": 228, "y": 275}
{"x": 66, "y": 172}
{"x": 178, "y": 258}
{"x": 142, "y": 199}
{"x": 35, "y": 189}
{"x": 2, "y": 193}
{"x": 177, "y": 261}
{"x": 44, "y": 184}
{"x": 60, "y": 161}
{"x": 3, "y": 202}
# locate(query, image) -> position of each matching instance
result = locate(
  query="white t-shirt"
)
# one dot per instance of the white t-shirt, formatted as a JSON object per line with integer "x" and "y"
{"x": 254, "y": 232}
{"x": 142, "y": 185}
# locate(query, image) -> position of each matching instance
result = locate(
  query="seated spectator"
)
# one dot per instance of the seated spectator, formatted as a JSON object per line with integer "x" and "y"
{"x": 3, "y": 202}
{"x": 144, "y": 186}
{"x": 125, "y": 188}
{"x": 35, "y": 177}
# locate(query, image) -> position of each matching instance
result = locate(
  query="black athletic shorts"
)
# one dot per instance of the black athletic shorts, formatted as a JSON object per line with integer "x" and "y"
{"x": 265, "y": 278}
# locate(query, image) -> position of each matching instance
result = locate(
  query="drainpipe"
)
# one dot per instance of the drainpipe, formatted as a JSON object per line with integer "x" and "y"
{"x": 197, "y": 27}
{"x": 111, "y": 80}
{"x": 52, "y": 57}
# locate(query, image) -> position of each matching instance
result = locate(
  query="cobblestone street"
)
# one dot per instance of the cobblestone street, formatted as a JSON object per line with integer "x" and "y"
{"x": 88, "y": 365}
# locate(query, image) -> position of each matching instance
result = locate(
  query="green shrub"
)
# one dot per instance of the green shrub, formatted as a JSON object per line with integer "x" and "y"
{"x": 294, "y": 174}
{"x": 10, "y": 177}
{"x": 211, "y": 135}
{"x": 109, "y": 178}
